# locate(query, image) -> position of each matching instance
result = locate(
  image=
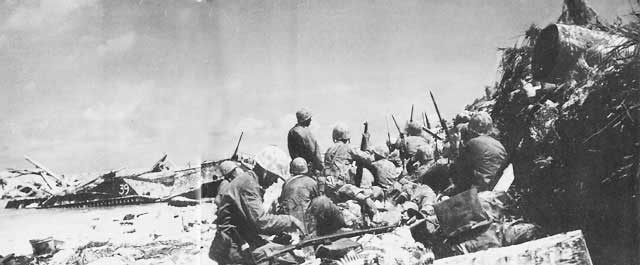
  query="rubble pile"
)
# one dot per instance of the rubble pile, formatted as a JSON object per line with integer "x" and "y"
{"x": 567, "y": 110}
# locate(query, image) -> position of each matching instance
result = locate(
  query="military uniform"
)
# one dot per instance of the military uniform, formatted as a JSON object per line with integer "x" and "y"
{"x": 301, "y": 143}
{"x": 297, "y": 194}
{"x": 240, "y": 220}
{"x": 480, "y": 164}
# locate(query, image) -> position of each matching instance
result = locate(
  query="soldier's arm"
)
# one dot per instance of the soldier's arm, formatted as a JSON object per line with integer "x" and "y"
{"x": 364, "y": 157}
{"x": 265, "y": 222}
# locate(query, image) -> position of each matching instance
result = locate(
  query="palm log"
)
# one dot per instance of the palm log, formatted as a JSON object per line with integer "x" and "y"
{"x": 559, "y": 48}
{"x": 560, "y": 249}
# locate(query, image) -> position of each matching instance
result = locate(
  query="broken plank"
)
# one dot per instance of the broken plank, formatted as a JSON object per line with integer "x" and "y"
{"x": 561, "y": 249}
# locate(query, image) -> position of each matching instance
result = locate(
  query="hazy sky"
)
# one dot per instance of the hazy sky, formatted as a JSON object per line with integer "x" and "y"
{"x": 90, "y": 85}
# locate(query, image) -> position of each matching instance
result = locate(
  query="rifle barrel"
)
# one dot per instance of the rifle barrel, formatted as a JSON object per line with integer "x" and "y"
{"x": 435, "y": 135}
{"x": 235, "y": 152}
{"x": 442, "y": 122}
{"x": 396, "y": 123}
{"x": 323, "y": 239}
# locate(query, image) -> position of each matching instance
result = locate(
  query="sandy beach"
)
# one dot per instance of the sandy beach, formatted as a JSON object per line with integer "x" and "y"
{"x": 137, "y": 234}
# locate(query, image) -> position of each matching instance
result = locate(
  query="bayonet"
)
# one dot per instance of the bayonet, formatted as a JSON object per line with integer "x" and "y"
{"x": 426, "y": 119}
{"x": 411, "y": 117}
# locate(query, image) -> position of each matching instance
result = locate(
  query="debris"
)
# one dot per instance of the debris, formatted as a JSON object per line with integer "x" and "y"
{"x": 182, "y": 202}
{"x": 45, "y": 246}
{"x": 567, "y": 248}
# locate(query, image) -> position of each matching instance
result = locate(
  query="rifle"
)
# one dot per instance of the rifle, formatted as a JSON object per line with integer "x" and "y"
{"x": 435, "y": 135}
{"x": 397, "y": 127}
{"x": 328, "y": 239}
{"x": 363, "y": 147}
{"x": 235, "y": 152}
{"x": 443, "y": 123}
{"x": 401, "y": 137}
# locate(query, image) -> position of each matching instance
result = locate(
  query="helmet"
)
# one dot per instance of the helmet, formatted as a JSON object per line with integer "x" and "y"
{"x": 227, "y": 167}
{"x": 462, "y": 117}
{"x": 424, "y": 152}
{"x": 413, "y": 128}
{"x": 298, "y": 166}
{"x": 274, "y": 160}
{"x": 481, "y": 123}
{"x": 340, "y": 132}
{"x": 381, "y": 150}
{"x": 303, "y": 115}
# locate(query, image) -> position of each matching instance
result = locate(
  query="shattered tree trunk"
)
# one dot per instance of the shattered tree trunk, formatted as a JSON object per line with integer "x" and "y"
{"x": 560, "y": 249}
{"x": 559, "y": 49}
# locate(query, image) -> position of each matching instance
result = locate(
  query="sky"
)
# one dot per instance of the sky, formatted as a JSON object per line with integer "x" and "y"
{"x": 93, "y": 85}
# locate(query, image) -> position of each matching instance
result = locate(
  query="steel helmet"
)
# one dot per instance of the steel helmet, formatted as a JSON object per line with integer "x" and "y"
{"x": 303, "y": 115}
{"x": 340, "y": 132}
{"x": 274, "y": 160}
{"x": 462, "y": 117}
{"x": 424, "y": 152}
{"x": 381, "y": 150}
{"x": 481, "y": 123}
{"x": 413, "y": 128}
{"x": 298, "y": 166}
{"x": 227, "y": 166}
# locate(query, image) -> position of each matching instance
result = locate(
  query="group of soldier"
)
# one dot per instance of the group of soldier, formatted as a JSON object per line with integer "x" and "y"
{"x": 410, "y": 173}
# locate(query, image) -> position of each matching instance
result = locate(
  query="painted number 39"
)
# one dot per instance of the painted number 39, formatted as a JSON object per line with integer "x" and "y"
{"x": 124, "y": 189}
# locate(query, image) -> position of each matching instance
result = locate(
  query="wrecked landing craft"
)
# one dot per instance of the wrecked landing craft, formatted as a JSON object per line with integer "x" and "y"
{"x": 113, "y": 188}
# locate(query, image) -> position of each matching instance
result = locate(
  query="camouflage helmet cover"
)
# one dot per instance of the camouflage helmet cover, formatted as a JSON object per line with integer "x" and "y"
{"x": 340, "y": 132}
{"x": 481, "y": 123}
{"x": 381, "y": 150}
{"x": 227, "y": 167}
{"x": 424, "y": 152}
{"x": 298, "y": 166}
{"x": 303, "y": 115}
{"x": 274, "y": 160}
{"x": 413, "y": 128}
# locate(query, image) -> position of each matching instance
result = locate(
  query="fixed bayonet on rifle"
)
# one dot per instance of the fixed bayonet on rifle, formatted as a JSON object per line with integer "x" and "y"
{"x": 397, "y": 127}
{"x": 435, "y": 135}
{"x": 426, "y": 120}
{"x": 443, "y": 123}
{"x": 411, "y": 117}
{"x": 328, "y": 239}
{"x": 363, "y": 147}
{"x": 235, "y": 152}
{"x": 386, "y": 124}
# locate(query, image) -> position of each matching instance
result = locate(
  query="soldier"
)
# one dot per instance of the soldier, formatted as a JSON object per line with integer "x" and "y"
{"x": 338, "y": 182}
{"x": 384, "y": 171}
{"x": 339, "y": 158}
{"x": 240, "y": 216}
{"x": 229, "y": 170}
{"x": 482, "y": 159}
{"x": 297, "y": 193}
{"x": 420, "y": 162}
{"x": 409, "y": 145}
{"x": 301, "y": 142}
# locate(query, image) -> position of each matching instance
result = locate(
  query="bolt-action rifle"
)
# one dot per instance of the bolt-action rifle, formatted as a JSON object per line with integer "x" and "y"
{"x": 328, "y": 239}
{"x": 235, "y": 152}
{"x": 443, "y": 123}
{"x": 363, "y": 147}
